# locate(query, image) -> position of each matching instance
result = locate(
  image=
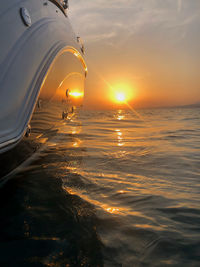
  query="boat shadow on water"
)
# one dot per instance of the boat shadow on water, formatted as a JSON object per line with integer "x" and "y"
{"x": 43, "y": 225}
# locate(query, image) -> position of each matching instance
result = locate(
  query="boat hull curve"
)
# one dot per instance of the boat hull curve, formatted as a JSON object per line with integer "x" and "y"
{"x": 40, "y": 68}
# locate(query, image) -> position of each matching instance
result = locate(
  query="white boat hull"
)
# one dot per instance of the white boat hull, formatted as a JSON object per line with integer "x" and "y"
{"x": 41, "y": 66}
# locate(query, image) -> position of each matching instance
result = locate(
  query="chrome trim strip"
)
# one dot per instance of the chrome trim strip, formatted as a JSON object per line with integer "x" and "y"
{"x": 10, "y": 143}
{"x": 55, "y": 2}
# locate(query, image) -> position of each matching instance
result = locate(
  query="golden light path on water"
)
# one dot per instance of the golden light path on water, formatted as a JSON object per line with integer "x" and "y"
{"x": 123, "y": 187}
{"x": 76, "y": 169}
{"x": 100, "y": 201}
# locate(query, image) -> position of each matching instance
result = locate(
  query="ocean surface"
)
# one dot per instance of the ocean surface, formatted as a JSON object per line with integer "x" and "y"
{"x": 111, "y": 188}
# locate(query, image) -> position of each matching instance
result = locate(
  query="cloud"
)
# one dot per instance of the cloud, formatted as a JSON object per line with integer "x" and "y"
{"x": 101, "y": 20}
{"x": 179, "y": 5}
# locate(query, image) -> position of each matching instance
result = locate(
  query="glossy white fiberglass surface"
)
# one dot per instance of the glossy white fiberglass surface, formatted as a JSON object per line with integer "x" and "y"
{"x": 25, "y": 57}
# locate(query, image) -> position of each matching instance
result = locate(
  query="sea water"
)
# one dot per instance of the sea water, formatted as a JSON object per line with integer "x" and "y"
{"x": 114, "y": 188}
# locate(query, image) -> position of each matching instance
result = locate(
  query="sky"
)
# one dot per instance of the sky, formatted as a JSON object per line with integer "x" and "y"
{"x": 150, "y": 49}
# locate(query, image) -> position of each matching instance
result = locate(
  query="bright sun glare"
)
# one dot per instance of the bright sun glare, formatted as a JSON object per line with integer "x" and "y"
{"x": 76, "y": 94}
{"x": 120, "y": 97}
{"x": 121, "y": 93}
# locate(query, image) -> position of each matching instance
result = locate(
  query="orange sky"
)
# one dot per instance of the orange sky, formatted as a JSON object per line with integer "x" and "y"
{"x": 150, "y": 47}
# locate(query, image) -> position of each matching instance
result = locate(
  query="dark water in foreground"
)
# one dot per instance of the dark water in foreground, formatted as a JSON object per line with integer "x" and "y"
{"x": 111, "y": 189}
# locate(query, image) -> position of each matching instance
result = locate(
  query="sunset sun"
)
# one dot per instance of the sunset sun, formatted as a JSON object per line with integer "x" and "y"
{"x": 121, "y": 93}
{"x": 120, "y": 97}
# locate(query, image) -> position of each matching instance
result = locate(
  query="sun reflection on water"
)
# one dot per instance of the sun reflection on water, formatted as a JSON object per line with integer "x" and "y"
{"x": 84, "y": 173}
{"x": 97, "y": 203}
{"x": 76, "y": 143}
{"x": 75, "y": 130}
{"x": 120, "y": 138}
{"x": 112, "y": 210}
{"x": 121, "y": 191}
